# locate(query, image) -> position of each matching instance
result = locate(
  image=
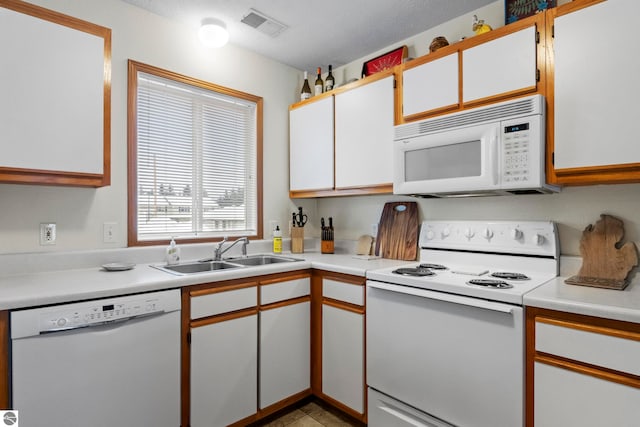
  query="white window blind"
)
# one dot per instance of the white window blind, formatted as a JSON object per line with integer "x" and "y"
{"x": 196, "y": 161}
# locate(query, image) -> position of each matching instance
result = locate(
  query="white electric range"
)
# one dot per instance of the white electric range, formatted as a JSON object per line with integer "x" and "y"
{"x": 445, "y": 335}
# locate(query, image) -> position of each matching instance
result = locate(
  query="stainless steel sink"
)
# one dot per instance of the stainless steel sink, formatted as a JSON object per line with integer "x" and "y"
{"x": 197, "y": 267}
{"x": 253, "y": 260}
{"x": 208, "y": 265}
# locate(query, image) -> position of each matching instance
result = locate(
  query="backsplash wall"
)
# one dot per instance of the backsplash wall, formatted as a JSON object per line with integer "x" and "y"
{"x": 573, "y": 209}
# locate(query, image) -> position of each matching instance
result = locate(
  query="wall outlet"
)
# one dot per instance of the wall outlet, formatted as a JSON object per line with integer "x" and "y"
{"x": 109, "y": 230}
{"x": 48, "y": 233}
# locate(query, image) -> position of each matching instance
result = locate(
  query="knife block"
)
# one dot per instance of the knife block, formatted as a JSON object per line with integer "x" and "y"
{"x": 297, "y": 240}
{"x": 326, "y": 246}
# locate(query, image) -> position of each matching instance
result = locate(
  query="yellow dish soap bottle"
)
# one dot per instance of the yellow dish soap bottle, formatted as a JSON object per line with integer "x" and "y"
{"x": 277, "y": 240}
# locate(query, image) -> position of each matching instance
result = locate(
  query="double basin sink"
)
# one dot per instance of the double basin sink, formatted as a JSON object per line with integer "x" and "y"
{"x": 209, "y": 265}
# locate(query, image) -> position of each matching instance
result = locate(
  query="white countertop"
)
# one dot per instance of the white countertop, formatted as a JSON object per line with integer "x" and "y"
{"x": 607, "y": 303}
{"x": 87, "y": 280}
{"x": 610, "y": 304}
{"x": 30, "y": 280}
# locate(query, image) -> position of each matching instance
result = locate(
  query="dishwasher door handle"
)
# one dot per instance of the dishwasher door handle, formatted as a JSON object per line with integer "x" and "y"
{"x": 441, "y": 296}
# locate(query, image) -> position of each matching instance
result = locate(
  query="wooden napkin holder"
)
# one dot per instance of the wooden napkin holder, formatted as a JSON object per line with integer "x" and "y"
{"x": 605, "y": 262}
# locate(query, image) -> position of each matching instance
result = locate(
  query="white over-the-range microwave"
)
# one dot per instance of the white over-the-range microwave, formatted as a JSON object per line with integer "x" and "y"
{"x": 493, "y": 150}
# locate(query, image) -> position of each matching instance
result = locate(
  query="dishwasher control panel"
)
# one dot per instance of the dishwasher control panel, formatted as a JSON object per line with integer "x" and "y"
{"x": 93, "y": 313}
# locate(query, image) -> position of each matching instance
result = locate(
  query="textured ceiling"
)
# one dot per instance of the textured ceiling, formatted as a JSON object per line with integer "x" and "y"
{"x": 319, "y": 32}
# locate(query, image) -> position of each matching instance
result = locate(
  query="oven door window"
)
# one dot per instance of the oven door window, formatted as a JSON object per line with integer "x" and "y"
{"x": 442, "y": 162}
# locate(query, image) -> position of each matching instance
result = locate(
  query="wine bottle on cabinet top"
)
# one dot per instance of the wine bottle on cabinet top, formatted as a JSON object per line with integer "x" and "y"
{"x": 305, "y": 93}
{"x": 329, "y": 82}
{"x": 319, "y": 84}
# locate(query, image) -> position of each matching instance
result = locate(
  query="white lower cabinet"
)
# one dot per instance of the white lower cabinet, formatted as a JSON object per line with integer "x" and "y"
{"x": 585, "y": 370}
{"x": 285, "y": 338}
{"x": 284, "y": 352}
{"x": 342, "y": 351}
{"x": 567, "y": 398}
{"x": 224, "y": 371}
{"x": 223, "y": 354}
{"x": 343, "y": 356}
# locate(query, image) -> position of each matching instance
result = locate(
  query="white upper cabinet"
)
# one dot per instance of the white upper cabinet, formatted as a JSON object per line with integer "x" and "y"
{"x": 430, "y": 86}
{"x": 311, "y": 146}
{"x": 364, "y": 134}
{"x": 55, "y": 98}
{"x": 595, "y": 88}
{"x": 500, "y": 66}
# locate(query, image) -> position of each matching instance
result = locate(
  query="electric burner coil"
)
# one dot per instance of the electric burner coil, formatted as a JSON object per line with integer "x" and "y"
{"x": 507, "y": 275}
{"x": 414, "y": 271}
{"x": 490, "y": 283}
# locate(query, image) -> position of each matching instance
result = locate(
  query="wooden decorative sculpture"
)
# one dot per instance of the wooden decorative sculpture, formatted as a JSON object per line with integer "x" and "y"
{"x": 605, "y": 262}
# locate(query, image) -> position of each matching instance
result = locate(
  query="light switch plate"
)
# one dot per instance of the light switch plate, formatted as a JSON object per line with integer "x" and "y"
{"x": 109, "y": 230}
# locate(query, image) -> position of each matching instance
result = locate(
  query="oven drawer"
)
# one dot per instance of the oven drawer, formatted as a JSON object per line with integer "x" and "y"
{"x": 385, "y": 411}
{"x": 433, "y": 350}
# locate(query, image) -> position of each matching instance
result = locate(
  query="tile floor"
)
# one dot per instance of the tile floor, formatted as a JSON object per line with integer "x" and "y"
{"x": 311, "y": 414}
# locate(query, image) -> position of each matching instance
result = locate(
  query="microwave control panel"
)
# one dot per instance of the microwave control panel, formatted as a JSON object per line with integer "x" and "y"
{"x": 520, "y": 149}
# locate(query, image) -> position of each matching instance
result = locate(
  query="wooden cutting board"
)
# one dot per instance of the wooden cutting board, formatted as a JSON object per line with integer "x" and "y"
{"x": 398, "y": 231}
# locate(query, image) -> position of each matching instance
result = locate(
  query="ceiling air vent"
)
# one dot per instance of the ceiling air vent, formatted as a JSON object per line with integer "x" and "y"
{"x": 263, "y": 23}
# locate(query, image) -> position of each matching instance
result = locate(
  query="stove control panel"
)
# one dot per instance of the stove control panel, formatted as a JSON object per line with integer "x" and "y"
{"x": 509, "y": 237}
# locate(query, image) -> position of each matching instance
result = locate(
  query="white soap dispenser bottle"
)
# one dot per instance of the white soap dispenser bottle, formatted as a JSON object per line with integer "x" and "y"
{"x": 173, "y": 253}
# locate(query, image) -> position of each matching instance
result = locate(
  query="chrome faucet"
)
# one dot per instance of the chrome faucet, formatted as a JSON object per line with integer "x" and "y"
{"x": 217, "y": 254}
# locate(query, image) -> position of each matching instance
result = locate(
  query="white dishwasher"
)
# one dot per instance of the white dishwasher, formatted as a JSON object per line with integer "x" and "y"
{"x": 100, "y": 363}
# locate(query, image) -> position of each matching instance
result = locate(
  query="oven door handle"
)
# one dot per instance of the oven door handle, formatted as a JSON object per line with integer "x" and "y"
{"x": 441, "y": 296}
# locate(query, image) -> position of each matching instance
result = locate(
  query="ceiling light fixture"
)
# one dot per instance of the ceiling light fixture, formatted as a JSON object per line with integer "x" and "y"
{"x": 213, "y": 33}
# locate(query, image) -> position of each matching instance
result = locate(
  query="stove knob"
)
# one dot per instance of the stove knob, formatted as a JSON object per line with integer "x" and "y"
{"x": 445, "y": 232}
{"x": 537, "y": 239}
{"x": 469, "y": 233}
{"x": 516, "y": 234}
{"x": 430, "y": 234}
{"x": 487, "y": 233}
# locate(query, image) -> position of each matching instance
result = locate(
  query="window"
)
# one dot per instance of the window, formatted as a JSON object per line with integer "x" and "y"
{"x": 194, "y": 159}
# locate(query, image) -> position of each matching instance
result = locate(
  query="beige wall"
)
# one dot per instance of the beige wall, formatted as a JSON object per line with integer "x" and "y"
{"x": 139, "y": 35}
{"x": 148, "y": 38}
{"x": 573, "y": 209}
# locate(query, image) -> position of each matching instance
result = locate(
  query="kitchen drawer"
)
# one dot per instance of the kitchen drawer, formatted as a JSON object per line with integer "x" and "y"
{"x": 601, "y": 349}
{"x": 281, "y": 291}
{"x": 223, "y": 302}
{"x": 343, "y": 291}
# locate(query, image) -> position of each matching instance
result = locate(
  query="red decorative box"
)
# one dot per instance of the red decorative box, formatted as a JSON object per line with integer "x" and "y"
{"x": 385, "y": 61}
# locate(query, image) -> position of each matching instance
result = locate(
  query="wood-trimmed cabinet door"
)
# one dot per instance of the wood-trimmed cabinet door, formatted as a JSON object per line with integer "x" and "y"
{"x": 343, "y": 349}
{"x": 505, "y": 63}
{"x": 595, "y": 83}
{"x": 223, "y": 355}
{"x": 285, "y": 341}
{"x": 364, "y": 120}
{"x": 581, "y": 370}
{"x": 311, "y": 149}
{"x": 430, "y": 86}
{"x": 55, "y": 107}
